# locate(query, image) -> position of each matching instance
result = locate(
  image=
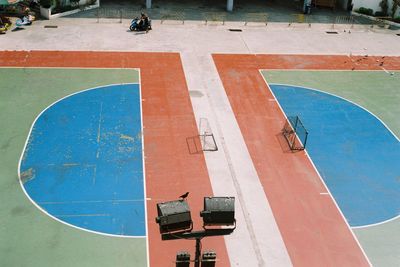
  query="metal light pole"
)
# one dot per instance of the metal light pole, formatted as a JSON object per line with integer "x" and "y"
{"x": 175, "y": 221}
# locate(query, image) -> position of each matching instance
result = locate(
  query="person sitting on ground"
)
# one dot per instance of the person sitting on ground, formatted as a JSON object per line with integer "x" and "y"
{"x": 144, "y": 22}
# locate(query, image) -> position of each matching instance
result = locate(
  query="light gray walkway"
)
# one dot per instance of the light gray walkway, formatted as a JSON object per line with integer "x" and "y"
{"x": 87, "y": 34}
{"x": 231, "y": 169}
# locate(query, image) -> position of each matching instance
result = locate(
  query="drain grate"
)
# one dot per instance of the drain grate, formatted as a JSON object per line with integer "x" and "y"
{"x": 332, "y": 32}
{"x": 235, "y": 30}
{"x": 51, "y": 26}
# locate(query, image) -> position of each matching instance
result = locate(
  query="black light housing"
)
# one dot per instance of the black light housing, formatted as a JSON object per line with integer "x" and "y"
{"x": 182, "y": 259}
{"x": 218, "y": 211}
{"x": 174, "y": 216}
{"x": 208, "y": 259}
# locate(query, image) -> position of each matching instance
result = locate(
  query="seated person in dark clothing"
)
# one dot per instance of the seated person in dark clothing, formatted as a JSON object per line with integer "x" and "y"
{"x": 144, "y": 22}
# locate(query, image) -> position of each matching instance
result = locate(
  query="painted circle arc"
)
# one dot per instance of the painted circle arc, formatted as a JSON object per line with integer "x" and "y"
{"x": 355, "y": 153}
{"x": 83, "y": 161}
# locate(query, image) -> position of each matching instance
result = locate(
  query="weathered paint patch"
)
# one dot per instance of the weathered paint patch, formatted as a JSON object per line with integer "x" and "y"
{"x": 357, "y": 156}
{"x": 27, "y": 175}
{"x": 83, "y": 161}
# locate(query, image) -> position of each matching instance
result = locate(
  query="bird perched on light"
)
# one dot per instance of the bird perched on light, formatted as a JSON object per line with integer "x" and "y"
{"x": 184, "y": 196}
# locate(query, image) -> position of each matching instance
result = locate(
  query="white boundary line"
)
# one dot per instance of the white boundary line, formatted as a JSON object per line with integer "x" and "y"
{"x": 23, "y": 152}
{"x": 376, "y": 224}
{"x": 344, "y": 100}
{"x": 300, "y": 70}
{"x": 336, "y": 70}
{"x": 144, "y": 172}
{"x": 361, "y": 107}
{"x": 322, "y": 180}
{"x": 331, "y": 95}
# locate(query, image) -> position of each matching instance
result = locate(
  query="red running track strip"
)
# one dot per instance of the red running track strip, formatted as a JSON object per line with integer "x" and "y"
{"x": 168, "y": 120}
{"x": 313, "y": 229}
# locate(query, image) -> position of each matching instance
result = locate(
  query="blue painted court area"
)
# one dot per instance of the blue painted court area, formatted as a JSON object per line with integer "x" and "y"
{"x": 83, "y": 162}
{"x": 357, "y": 156}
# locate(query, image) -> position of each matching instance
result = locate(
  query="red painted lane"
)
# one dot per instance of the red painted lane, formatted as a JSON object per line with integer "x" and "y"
{"x": 168, "y": 120}
{"x": 314, "y": 231}
{"x": 315, "y": 62}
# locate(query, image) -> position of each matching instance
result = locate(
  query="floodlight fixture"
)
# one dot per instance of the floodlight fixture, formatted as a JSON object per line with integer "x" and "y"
{"x": 182, "y": 259}
{"x": 208, "y": 259}
{"x": 174, "y": 216}
{"x": 218, "y": 211}
{"x": 175, "y": 223}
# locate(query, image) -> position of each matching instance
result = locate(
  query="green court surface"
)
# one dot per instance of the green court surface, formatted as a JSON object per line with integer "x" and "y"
{"x": 28, "y": 236}
{"x": 31, "y": 238}
{"x": 378, "y": 92}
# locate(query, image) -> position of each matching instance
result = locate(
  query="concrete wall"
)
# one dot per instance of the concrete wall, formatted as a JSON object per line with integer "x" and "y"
{"x": 46, "y": 12}
{"x": 81, "y": 2}
{"x": 374, "y": 5}
{"x": 342, "y": 4}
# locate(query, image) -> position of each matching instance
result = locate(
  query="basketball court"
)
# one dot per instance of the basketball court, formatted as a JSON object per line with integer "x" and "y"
{"x": 92, "y": 140}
